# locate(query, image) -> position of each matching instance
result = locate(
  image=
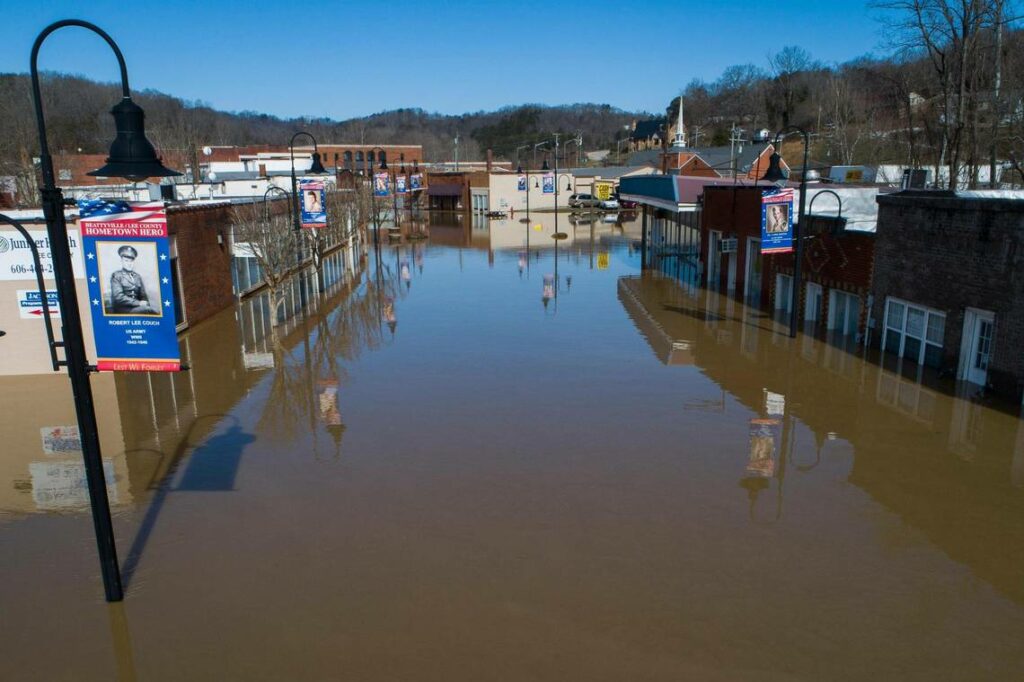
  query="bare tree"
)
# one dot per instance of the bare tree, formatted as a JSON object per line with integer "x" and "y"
{"x": 949, "y": 34}
{"x": 271, "y": 241}
{"x": 789, "y": 66}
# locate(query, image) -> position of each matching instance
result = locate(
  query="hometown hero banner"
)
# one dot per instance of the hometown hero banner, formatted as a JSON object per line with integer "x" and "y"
{"x": 128, "y": 271}
{"x": 400, "y": 185}
{"x": 777, "y": 221}
{"x": 314, "y": 213}
{"x": 381, "y": 185}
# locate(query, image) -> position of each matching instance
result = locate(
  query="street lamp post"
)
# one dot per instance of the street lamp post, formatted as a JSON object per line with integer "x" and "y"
{"x": 519, "y": 171}
{"x": 391, "y": 176}
{"x": 131, "y": 157}
{"x": 776, "y": 175}
{"x": 316, "y": 168}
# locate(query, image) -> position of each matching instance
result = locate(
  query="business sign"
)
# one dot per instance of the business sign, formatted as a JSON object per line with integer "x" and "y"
{"x": 16, "y": 254}
{"x": 400, "y": 184}
{"x": 314, "y": 211}
{"x": 381, "y": 184}
{"x": 603, "y": 190}
{"x": 777, "y": 221}
{"x": 416, "y": 182}
{"x": 30, "y": 304}
{"x": 774, "y": 404}
{"x": 549, "y": 183}
{"x": 128, "y": 266}
{"x": 521, "y": 183}
{"x": 727, "y": 245}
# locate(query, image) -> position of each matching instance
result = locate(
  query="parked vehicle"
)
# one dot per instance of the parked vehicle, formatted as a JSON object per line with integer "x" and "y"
{"x": 583, "y": 201}
{"x": 609, "y": 204}
{"x": 625, "y": 203}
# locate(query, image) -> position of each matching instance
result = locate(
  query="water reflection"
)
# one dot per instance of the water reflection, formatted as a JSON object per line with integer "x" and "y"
{"x": 946, "y": 464}
{"x": 639, "y": 487}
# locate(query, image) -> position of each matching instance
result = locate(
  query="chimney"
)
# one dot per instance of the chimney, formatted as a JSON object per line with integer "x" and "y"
{"x": 490, "y": 160}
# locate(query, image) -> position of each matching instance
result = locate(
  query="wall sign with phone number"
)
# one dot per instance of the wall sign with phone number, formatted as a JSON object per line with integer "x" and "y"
{"x": 16, "y": 255}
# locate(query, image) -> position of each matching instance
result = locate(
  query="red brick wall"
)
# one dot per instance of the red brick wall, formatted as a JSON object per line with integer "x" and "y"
{"x": 204, "y": 263}
{"x": 844, "y": 262}
{"x": 735, "y": 211}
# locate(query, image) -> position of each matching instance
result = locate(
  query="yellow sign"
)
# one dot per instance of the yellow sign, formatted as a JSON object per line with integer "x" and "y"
{"x": 602, "y": 261}
{"x": 538, "y": 227}
{"x": 603, "y": 190}
{"x": 854, "y": 175}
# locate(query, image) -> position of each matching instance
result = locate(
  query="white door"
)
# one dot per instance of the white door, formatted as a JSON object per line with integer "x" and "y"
{"x": 843, "y": 312}
{"x": 976, "y": 347}
{"x": 714, "y": 259}
{"x": 752, "y": 280}
{"x": 812, "y": 306}
{"x": 730, "y": 282}
{"x": 783, "y": 292}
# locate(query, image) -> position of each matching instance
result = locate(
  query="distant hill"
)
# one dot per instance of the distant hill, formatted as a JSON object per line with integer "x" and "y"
{"x": 77, "y": 118}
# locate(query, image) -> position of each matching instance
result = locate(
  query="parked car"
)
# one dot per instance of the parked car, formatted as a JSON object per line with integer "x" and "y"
{"x": 583, "y": 200}
{"x": 625, "y": 203}
{"x": 611, "y": 204}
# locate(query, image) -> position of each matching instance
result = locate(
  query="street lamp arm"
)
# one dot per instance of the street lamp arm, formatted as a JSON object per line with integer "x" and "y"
{"x": 291, "y": 143}
{"x": 810, "y": 207}
{"x": 44, "y": 148}
{"x": 42, "y": 288}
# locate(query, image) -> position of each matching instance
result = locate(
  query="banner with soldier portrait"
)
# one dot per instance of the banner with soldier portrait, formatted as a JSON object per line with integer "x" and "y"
{"x": 312, "y": 201}
{"x": 131, "y": 295}
{"x": 381, "y": 185}
{"x": 777, "y": 221}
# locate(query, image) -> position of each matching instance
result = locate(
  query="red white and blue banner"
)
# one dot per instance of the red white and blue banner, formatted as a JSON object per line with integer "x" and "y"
{"x": 381, "y": 185}
{"x": 521, "y": 184}
{"x": 777, "y": 221}
{"x": 311, "y": 196}
{"x": 549, "y": 183}
{"x": 400, "y": 184}
{"x": 416, "y": 182}
{"x": 131, "y": 295}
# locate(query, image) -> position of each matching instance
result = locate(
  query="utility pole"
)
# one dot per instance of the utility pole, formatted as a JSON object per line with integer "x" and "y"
{"x": 997, "y": 82}
{"x": 456, "y": 152}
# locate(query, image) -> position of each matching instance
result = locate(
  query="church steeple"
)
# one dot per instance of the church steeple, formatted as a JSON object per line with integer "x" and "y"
{"x": 680, "y": 138}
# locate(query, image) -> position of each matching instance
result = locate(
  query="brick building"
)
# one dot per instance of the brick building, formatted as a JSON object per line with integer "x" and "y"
{"x": 949, "y": 284}
{"x": 202, "y": 259}
{"x": 838, "y": 256}
{"x": 72, "y": 169}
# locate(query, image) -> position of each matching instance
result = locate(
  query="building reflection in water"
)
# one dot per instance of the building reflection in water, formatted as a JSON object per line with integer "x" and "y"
{"x": 950, "y": 465}
{"x": 150, "y": 422}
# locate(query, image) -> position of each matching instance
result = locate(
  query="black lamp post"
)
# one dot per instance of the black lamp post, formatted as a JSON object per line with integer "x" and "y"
{"x": 777, "y": 176}
{"x": 519, "y": 171}
{"x": 131, "y": 157}
{"x": 374, "y": 216}
{"x": 391, "y": 176}
{"x": 316, "y": 168}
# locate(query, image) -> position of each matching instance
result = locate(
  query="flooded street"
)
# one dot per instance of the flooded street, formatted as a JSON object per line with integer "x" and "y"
{"x": 481, "y": 458}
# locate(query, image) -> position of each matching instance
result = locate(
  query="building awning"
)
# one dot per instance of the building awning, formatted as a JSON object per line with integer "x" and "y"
{"x": 444, "y": 190}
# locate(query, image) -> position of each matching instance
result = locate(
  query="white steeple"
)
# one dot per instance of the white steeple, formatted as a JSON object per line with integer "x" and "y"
{"x": 680, "y": 138}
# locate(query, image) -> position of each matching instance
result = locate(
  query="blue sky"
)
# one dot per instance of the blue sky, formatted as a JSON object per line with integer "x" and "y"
{"x": 340, "y": 59}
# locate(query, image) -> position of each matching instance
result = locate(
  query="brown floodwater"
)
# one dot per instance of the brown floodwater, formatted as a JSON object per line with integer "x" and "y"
{"x": 461, "y": 466}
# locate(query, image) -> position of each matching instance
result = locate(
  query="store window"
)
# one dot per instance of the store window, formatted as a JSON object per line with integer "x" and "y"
{"x": 914, "y": 332}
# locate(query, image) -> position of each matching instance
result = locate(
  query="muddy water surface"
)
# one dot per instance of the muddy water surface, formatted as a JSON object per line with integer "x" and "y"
{"x": 464, "y": 467}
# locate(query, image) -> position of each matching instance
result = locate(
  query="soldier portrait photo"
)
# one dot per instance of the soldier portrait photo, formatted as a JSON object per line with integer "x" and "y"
{"x": 778, "y": 218}
{"x": 129, "y": 279}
